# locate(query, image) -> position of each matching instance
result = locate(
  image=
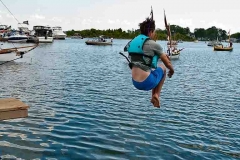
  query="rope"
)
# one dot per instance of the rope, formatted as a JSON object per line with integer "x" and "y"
{"x": 13, "y": 17}
{"x": 21, "y": 53}
{"x": 10, "y": 12}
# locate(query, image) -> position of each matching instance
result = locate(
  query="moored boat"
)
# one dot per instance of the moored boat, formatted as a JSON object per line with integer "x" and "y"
{"x": 99, "y": 41}
{"x": 17, "y": 38}
{"x": 221, "y": 48}
{"x": 4, "y": 29}
{"x": 43, "y": 33}
{"x": 58, "y": 33}
{"x": 9, "y": 54}
{"x": 214, "y": 43}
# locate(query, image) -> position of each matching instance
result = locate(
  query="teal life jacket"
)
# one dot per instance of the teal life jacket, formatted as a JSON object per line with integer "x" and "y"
{"x": 135, "y": 50}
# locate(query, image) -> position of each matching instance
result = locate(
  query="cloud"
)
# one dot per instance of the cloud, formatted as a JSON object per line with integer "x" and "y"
{"x": 217, "y": 24}
{"x": 36, "y": 16}
{"x": 118, "y": 22}
{"x": 125, "y": 22}
{"x": 185, "y": 22}
{"x": 86, "y": 21}
{"x": 111, "y": 21}
{"x": 182, "y": 22}
{"x": 56, "y": 19}
{"x": 9, "y": 16}
{"x": 98, "y": 21}
{"x": 114, "y": 21}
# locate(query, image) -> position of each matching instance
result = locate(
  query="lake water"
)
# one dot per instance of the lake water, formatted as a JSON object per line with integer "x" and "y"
{"x": 83, "y": 105}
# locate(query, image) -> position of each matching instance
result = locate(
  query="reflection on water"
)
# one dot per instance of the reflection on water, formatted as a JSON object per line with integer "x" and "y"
{"x": 83, "y": 105}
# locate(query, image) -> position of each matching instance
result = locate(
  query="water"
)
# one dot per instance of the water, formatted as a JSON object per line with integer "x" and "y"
{"x": 84, "y": 106}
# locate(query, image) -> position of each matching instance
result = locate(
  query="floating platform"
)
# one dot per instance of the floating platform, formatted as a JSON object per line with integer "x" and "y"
{"x": 11, "y": 108}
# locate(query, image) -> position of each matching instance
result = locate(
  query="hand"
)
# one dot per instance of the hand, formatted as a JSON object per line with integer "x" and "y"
{"x": 170, "y": 73}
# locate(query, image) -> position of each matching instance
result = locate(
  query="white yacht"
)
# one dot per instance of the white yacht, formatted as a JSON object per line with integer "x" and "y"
{"x": 24, "y": 28}
{"x": 58, "y": 33}
{"x": 16, "y": 37}
{"x": 43, "y": 33}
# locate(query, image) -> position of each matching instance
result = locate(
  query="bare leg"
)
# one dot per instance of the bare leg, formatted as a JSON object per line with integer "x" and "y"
{"x": 157, "y": 90}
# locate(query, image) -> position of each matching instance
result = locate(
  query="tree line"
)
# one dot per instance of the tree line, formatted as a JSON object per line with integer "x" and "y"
{"x": 178, "y": 33}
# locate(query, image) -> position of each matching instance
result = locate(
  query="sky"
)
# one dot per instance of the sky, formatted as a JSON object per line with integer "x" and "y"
{"x": 125, "y": 14}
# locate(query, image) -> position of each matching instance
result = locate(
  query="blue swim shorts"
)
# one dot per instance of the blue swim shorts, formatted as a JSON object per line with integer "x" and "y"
{"x": 151, "y": 81}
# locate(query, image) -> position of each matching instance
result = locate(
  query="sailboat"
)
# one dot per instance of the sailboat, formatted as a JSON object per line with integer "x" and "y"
{"x": 222, "y": 48}
{"x": 172, "y": 51}
{"x": 11, "y": 54}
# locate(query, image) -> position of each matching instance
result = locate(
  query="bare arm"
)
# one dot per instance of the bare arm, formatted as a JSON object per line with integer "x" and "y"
{"x": 166, "y": 60}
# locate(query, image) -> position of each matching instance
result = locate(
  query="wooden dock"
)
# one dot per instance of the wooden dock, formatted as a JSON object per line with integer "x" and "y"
{"x": 11, "y": 108}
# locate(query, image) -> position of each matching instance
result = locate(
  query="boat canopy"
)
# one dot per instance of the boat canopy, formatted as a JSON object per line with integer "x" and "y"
{"x": 3, "y": 27}
{"x": 41, "y": 28}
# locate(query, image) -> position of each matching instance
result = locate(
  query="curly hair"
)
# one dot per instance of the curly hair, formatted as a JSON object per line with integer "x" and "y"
{"x": 147, "y": 26}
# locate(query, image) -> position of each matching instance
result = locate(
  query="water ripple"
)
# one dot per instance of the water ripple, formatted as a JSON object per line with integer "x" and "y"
{"x": 83, "y": 105}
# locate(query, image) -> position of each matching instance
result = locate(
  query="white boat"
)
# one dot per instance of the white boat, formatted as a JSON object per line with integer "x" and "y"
{"x": 8, "y": 56}
{"x": 23, "y": 28}
{"x": 214, "y": 43}
{"x": 15, "y": 38}
{"x": 174, "y": 53}
{"x": 175, "y": 56}
{"x": 43, "y": 33}
{"x": 99, "y": 41}
{"x": 58, "y": 33}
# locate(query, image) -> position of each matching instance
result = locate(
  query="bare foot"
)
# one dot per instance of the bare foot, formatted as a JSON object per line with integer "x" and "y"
{"x": 155, "y": 101}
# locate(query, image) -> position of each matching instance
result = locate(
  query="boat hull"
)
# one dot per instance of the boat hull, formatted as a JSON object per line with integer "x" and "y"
{"x": 98, "y": 43}
{"x": 32, "y": 39}
{"x": 216, "y": 48}
{"x": 45, "y": 40}
{"x": 175, "y": 56}
{"x": 7, "y": 56}
{"x": 59, "y": 37}
{"x": 17, "y": 40}
{"x": 3, "y": 39}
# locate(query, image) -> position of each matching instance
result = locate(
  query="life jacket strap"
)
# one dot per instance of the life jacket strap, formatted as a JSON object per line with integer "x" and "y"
{"x": 140, "y": 58}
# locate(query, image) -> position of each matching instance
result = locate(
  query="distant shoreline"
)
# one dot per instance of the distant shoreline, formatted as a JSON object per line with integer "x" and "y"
{"x": 178, "y": 33}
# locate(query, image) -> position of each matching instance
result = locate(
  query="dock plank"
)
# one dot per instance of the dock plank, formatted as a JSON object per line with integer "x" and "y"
{"x": 11, "y": 108}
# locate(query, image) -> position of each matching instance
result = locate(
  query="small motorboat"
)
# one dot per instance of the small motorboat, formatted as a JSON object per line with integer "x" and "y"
{"x": 18, "y": 38}
{"x": 99, "y": 41}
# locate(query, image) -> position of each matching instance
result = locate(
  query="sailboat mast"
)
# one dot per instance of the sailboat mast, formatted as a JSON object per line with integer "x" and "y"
{"x": 229, "y": 37}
